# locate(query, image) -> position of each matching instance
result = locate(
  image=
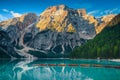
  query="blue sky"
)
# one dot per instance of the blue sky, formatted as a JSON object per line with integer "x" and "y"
{"x": 15, "y": 8}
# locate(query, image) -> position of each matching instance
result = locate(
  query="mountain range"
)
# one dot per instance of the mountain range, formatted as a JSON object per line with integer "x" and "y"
{"x": 56, "y": 31}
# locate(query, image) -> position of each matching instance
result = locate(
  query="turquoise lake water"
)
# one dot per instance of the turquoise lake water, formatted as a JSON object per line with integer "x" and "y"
{"x": 59, "y": 69}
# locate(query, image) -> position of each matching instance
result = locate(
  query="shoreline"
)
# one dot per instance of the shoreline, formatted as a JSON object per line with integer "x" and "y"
{"x": 115, "y": 60}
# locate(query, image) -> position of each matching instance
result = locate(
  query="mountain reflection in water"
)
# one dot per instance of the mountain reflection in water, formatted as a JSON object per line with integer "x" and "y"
{"x": 31, "y": 70}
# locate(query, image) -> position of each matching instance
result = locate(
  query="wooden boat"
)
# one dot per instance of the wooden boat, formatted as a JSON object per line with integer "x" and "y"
{"x": 85, "y": 65}
{"x": 73, "y": 65}
{"x": 52, "y": 65}
{"x": 61, "y": 64}
{"x": 97, "y": 65}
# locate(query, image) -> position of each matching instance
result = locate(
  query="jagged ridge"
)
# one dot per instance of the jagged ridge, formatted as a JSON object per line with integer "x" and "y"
{"x": 59, "y": 29}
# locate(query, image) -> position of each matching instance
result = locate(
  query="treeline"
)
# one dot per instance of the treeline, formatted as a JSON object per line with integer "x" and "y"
{"x": 104, "y": 45}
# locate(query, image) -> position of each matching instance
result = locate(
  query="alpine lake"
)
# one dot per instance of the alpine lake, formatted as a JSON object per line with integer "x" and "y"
{"x": 59, "y": 69}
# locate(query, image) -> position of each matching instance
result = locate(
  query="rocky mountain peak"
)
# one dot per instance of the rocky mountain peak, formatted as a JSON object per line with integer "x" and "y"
{"x": 64, "y": 19}
{"x": 104, "y": 21}
{"x": 82, "y": 12}
{"x": 58, "y": 7}
{"x": 108, "y": 18}
{"x": 114, "y": 21}
{"x": 22, "y": 22}
{"x": 28, "y": 17}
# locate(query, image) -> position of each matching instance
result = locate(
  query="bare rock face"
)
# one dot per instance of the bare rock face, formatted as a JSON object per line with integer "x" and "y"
{"x": 22, "y": 21}
{"x": 6, "y": 47}
{"x": 64, "y": 19}
{"x": 62, "y": 29}
{"x": 91, "y": 19}
{"x": 5, "y": 24}
{"x": 114, "y": 21}
{"x": 16, "y": 27}
{"x": 28, "y": 19}
{"x": 81, "y": 12}
{"x": 56, "y": 42}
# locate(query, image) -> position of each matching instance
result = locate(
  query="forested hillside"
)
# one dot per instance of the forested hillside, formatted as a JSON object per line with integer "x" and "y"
{"x": 104, "y": 45}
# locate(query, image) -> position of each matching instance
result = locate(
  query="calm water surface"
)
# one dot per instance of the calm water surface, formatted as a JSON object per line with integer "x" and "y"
{"x": 59, "y": 69}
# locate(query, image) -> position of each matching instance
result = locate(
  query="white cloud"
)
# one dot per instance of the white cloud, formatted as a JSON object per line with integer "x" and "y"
{"x": 110, "y": 11}
{"x": 5, "y": 10}
{"x": 2, "y": 18}
{"x": 93, "y": 12}
{"x": 107, "y": 12}
{"x": 114, "y": 10}
{"x": 14, "y": 14}
{"x": 99, "y": 13}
